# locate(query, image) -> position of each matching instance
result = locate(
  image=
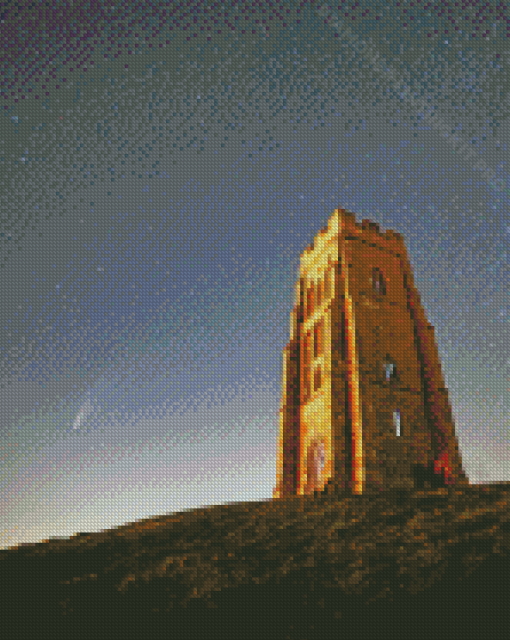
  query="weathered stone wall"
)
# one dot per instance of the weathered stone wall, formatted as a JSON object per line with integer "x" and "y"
{"x": 360, "y": 350}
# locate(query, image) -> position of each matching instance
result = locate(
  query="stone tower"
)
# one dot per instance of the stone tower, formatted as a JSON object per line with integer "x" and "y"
{"x": 364, "y": 404}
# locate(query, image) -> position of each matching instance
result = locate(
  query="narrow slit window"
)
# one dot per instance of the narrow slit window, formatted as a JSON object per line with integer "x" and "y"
{"x": 317, "y": 340}
{"x": 302, "y": 297}
{"x": 396, "y": 421}
{"x": 309, "y": 304}
{"x": 327, "y": 284}
{"x": 343, "y": 337}
{"x": 378, "y": 281}
{"x": 307, "y": 365}
{"x": 317, "y": 378}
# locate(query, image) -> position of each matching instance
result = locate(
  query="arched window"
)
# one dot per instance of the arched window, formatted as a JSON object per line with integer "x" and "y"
{"x": 396, "y": 421}
{"x": 378, "y": 283}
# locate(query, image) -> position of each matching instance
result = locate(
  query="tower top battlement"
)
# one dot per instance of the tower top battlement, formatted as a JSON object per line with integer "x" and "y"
{"x": 342, "y": 223}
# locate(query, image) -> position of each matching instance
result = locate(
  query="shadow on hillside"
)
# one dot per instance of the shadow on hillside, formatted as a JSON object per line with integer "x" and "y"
{"x": 401, "y": 564}
{"x": 472, "y": 609}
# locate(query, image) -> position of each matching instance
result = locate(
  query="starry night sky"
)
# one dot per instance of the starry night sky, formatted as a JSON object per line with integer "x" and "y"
{"x": 162, "y": 167}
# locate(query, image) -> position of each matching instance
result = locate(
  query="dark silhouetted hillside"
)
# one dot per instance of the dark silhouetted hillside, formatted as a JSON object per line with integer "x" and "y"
{"x": 401, "y": 564}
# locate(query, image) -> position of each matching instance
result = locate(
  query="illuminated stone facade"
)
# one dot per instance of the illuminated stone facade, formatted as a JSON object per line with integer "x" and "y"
{"x": 364, "y": 404}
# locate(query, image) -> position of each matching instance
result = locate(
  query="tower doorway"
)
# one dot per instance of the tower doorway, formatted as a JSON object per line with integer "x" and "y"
{"x": 315, "y": 465}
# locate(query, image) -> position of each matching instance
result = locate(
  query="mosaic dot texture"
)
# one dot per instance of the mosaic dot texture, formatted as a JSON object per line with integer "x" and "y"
{"x": 162, "y": 167}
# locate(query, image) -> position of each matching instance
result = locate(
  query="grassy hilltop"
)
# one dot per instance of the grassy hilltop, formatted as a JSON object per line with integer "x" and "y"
{"x": 401, "y": 564}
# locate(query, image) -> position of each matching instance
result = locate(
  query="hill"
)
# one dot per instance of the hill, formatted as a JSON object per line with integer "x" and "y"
{"x": 400, "y": 564}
